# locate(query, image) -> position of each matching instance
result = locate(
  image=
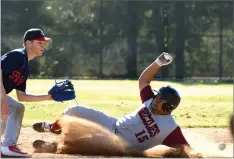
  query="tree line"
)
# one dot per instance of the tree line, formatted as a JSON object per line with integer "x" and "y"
{"x": 98, "y": 38}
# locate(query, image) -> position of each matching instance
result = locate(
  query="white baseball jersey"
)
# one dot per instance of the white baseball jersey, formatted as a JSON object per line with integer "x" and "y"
{"x": 142, "y": 129}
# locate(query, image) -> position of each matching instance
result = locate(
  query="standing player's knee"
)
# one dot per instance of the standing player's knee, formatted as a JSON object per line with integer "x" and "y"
{"x": 20, "y": 108}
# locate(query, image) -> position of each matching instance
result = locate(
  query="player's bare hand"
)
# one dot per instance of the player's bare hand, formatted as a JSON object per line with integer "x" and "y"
{"x": 164, "y": 59}
{"x": 49, "y": 97}
{"x": 4, "y": 104}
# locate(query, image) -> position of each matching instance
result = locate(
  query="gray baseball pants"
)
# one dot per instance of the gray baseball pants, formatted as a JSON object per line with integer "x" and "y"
{"x": 11, "y": 122}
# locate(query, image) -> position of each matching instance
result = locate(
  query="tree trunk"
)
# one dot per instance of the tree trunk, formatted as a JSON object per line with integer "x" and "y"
{"x": 165, "y": 70}
{"x": 180, "y": 38}
{"x": 132, "y": 34}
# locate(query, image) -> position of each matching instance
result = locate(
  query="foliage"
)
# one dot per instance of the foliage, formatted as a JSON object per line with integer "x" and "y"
{"x": 110, "y": 38}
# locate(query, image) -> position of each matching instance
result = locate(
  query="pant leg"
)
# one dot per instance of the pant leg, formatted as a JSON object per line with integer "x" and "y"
{"x": 3, "y": 124}
{"x": 13, "y": 122}
{"x": 92, "y": 115}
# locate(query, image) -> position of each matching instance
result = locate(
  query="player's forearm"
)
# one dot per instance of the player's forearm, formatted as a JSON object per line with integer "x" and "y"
{"x": 148, "y": 74}
{"x": 158, "y": 151}
{"x": 33, "y": 98}
{"x": 3, "y": 90}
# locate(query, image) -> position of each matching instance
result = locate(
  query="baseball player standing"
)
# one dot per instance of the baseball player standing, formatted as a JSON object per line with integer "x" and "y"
{"x": 150, "y": 125}
{"x": 15, "y": 72}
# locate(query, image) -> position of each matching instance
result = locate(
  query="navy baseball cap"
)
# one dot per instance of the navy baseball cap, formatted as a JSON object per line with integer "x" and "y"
{"x": 169, "y": 94}
{"x": 35, "y": 34}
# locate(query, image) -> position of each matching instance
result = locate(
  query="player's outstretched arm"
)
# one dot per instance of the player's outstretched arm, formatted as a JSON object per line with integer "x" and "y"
{"x": 23, "y": 96}
{"x": 169, "y": 152}
{"x": 148, "y": 74}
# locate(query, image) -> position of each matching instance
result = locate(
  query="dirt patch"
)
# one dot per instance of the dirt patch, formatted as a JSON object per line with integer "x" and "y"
{"x": 215, "y": 135}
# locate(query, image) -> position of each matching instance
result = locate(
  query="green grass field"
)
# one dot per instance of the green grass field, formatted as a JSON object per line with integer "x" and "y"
{"x": 202, "y": 105}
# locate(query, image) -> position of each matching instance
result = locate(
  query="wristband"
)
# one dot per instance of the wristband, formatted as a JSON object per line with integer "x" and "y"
{"x": 158, "y": 62}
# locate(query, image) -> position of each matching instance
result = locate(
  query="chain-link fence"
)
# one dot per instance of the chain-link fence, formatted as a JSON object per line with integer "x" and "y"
{"x": 120, "y": 38}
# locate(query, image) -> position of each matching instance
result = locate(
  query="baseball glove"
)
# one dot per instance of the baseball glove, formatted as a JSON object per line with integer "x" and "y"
{"x": 62, "y": 91}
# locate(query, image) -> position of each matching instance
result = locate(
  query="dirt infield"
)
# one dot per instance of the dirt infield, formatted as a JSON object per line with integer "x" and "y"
{"x": 216, "y": 135}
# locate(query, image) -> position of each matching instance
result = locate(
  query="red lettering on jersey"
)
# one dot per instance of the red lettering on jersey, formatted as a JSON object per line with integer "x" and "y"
{"x": 14, "y": 75}
{"x": 144, "y": 112}
{"x": 154, "y": 130}
{"x": 17, "y": 78}
{"x": 149, "y": 122}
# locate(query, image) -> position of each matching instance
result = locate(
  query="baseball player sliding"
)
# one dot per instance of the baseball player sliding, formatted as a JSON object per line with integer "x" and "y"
{"x": 149, "y": 125}
{"x": 14, "y": 74}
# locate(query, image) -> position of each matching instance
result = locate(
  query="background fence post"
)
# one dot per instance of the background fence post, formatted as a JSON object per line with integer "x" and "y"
{"x": 101, "y": 39}
{"x": 220, "y": 43}
{"x": 165, "y": 35}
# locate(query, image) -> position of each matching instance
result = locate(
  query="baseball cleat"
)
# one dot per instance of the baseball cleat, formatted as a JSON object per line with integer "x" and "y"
{"x": 13, "y": 152}
{"x": 45, "y": 127}
{"x": 44, "y": 147}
